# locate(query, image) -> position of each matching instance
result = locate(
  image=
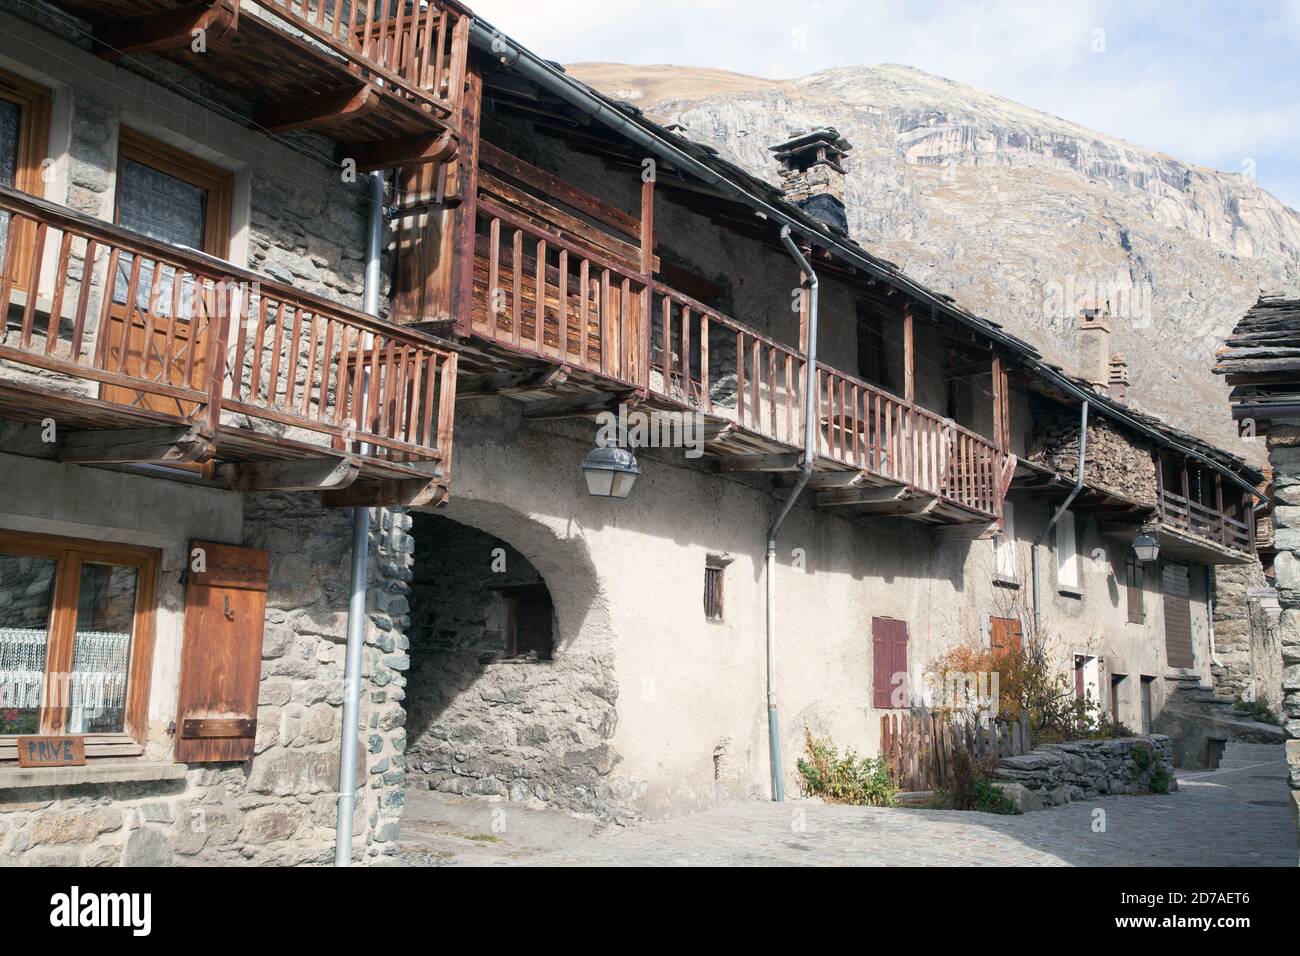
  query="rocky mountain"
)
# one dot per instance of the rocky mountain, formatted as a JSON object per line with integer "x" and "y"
{"x": 1016, "y": 213}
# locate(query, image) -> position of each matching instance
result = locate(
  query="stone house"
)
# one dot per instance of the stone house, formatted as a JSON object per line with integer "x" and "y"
{"x": 226, "y": 353}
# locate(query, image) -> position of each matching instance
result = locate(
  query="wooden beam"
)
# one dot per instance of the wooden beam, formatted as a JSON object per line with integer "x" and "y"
{"x": 837, "y": 479}
{"x": 401, "y": 151}
{"x": 909, "y": 360}
{"x": 166, "y": 30}
{"x": 324, "y": 108}
{"x": 784, "y": 461}
{"x": 167, "y": 444}
{"x": 512, "y": 383}
{"x": 299, "y": 474}
{"x": 572, "y": 406}
{"x": 647, "y": 226}
{"x": 840, "y": 497}
{"x": 971, "y": 531}
{"x": 904, "y": 508}
{"x": 404, "y": 492}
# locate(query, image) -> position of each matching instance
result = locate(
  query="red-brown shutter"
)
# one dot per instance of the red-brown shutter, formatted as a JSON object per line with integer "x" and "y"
{"x": 888, "y": 657}
{"x": 225, "y": 610}
{"x": 1004, "y": 635}
{"x": 1178, "y": 616}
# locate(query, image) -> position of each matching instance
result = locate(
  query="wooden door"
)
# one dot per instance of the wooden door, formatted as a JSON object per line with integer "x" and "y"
{"x": 225, "y": 611}
{"x": 1178, "y": 616}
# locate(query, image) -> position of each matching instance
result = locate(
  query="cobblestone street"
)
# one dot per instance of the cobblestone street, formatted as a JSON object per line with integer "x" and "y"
{"x": 1230, "y": 817}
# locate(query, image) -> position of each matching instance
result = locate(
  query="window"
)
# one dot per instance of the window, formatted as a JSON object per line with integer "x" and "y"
{"x": 1004, "y": 547}
{"x": 1067, "y": 555}
{"x": 24, "y": 143}
{"x": 873, "y": 362}
{"x": 713, "y": 594}
{"x": 76, "y": 638}
{"x": 888, "y": 663}
{"x": 528, "y": 622}
{"x": 1133, "y": 581}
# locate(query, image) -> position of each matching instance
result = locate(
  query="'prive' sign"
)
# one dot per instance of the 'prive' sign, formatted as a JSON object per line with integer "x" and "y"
{"x": 51, "y": 751}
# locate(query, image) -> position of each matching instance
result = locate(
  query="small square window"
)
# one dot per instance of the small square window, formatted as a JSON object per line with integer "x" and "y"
{"x": 713, "y": 593}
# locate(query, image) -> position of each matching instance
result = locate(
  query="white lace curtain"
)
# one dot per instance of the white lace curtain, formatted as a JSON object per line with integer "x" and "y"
{"x": 97, "y": 684}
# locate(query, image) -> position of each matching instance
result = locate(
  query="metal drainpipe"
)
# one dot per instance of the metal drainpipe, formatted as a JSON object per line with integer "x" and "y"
{"x": 1209, "y": 614}
{"x": 805, "y": 472}
{"x": 360, "y": 559}
{"x": 1078, "y": 486}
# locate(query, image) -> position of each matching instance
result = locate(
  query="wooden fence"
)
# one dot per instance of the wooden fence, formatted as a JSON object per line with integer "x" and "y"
{"x": 918, "y": 746}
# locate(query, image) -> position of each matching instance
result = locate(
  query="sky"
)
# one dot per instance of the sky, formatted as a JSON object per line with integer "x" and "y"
{"x": 1217, "y": 84}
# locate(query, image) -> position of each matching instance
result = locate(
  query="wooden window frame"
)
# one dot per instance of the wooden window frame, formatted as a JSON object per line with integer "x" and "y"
{"x": 71, "y": 554}
{"x": 33, "y": 101}
{"x": 216, "y": 181}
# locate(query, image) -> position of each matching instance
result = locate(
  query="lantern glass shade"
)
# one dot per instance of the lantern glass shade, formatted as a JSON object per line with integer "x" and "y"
{"x": 610, "y": 472}
{"x": 1147, "y": 547}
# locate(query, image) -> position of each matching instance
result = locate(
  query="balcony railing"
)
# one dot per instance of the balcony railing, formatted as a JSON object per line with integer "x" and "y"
{"x": 114, "y": 329}
{"x": 545, "y": 292}
{"x": 1205, "y": 522}
{"x": 415, "y": 46}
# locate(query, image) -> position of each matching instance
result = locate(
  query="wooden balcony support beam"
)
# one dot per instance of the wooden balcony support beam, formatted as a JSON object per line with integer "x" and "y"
{"x": 513, "y": 383}
{"x": 348, "y": 103}
{"x": 167, "y": 30}
{"x": 389, "y": 493}
{"x": 577, "y": 406}
{"x": 842, "y": 497}
{"x": 299, "y": 474}
{"x": 167, "y": 444}
{"x": 783, "y": 461}
{"x": 401, "y": 151}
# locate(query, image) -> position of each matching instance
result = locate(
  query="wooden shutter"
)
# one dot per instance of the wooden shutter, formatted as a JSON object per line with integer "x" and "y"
{"x": 1004, "y": 635}
{"x": 1136, "y": 602}
{"x": 1178, "y": 616}
{"x": 888, "y": 657}
{"x": 221, "y": 661}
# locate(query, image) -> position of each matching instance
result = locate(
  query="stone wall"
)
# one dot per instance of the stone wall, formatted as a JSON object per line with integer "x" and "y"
{"x": 531, "y": 730}
{"x": 1115, "y": 461}
{"x": 1284, "y": 455}
{"x": 280, "y": 807}
{"x": 1246, "y": 643}
{"x": 1083, "y": 769}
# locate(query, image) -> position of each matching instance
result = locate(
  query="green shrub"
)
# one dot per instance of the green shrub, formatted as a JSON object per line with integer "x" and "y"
{"x": 861, "y": 781}
{"x": 991, "y": 799}
{"x": 1147, "y": 761}
{"x": 1257, "y": 710}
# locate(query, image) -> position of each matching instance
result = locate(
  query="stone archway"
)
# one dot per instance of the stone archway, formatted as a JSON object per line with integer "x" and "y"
{"x": 511, "y": 688}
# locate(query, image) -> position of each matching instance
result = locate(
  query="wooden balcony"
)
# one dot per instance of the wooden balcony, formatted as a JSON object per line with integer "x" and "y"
{"x": 571, "y": 320}
{"x": 384, "y": 78}
{"x": 1191, "y": 530}
{"x": 139, "y": 352}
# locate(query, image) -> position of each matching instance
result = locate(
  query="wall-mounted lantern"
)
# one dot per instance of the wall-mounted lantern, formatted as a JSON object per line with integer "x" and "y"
{"x": 1147, "y": 547}
{"x": 610, "y": 471}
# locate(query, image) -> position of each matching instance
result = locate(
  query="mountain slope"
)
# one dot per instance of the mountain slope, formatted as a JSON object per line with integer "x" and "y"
{"x": 1016, "y": 213}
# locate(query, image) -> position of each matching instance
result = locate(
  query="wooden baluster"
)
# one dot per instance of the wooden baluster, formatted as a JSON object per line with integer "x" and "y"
{"x": 344, "y": 394}
{"x": 430, "y": 378}
{"x": 494, "y": 276}
{"x": 516, "y": 286}
{"x": 439, "y": 55}
{"x": 309, "y": 378}
{"x": 372, "y": 409}
{"x": 83, "y": 299}
{"x": 291, "y": 365}
{"x": 10, "y": 276}
{"x": 131, "y": 287}
{"x": 790, "y": 425}
{"x": 431, "y": 16}
{"x": 386, "y": 392}
{"x": 539, "y": 289}
{"x": 60, "y": 280}
{"x": 740, "y": 378}
{"x": 704, "y": 362}
{"x": 605, "y": 337}
{"x": 197, "y": 310}
{"x": 771, "y": 392}
{"x": 688, "y": 380}
{"x": 411, "y": 423}
{"x": 326, "y": 362}
{"x": 273, "y": 387}
{"x": 666, "y": 331}
{"x": 756, "y": 386}
{"x": 259, "y": 333}
{"x": 369, "y": 28}
{"x": 173, "y": 317}
{"x": 563, "y": 317}
{"x": 33, "y": 283}
{"x": 584, "y": 293}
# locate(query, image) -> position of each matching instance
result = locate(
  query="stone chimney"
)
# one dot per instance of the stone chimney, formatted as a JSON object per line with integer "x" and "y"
{"x": 1094, "y": 346}
{"x": 1118, "y": 384}
{"x": 812, "y": 174}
